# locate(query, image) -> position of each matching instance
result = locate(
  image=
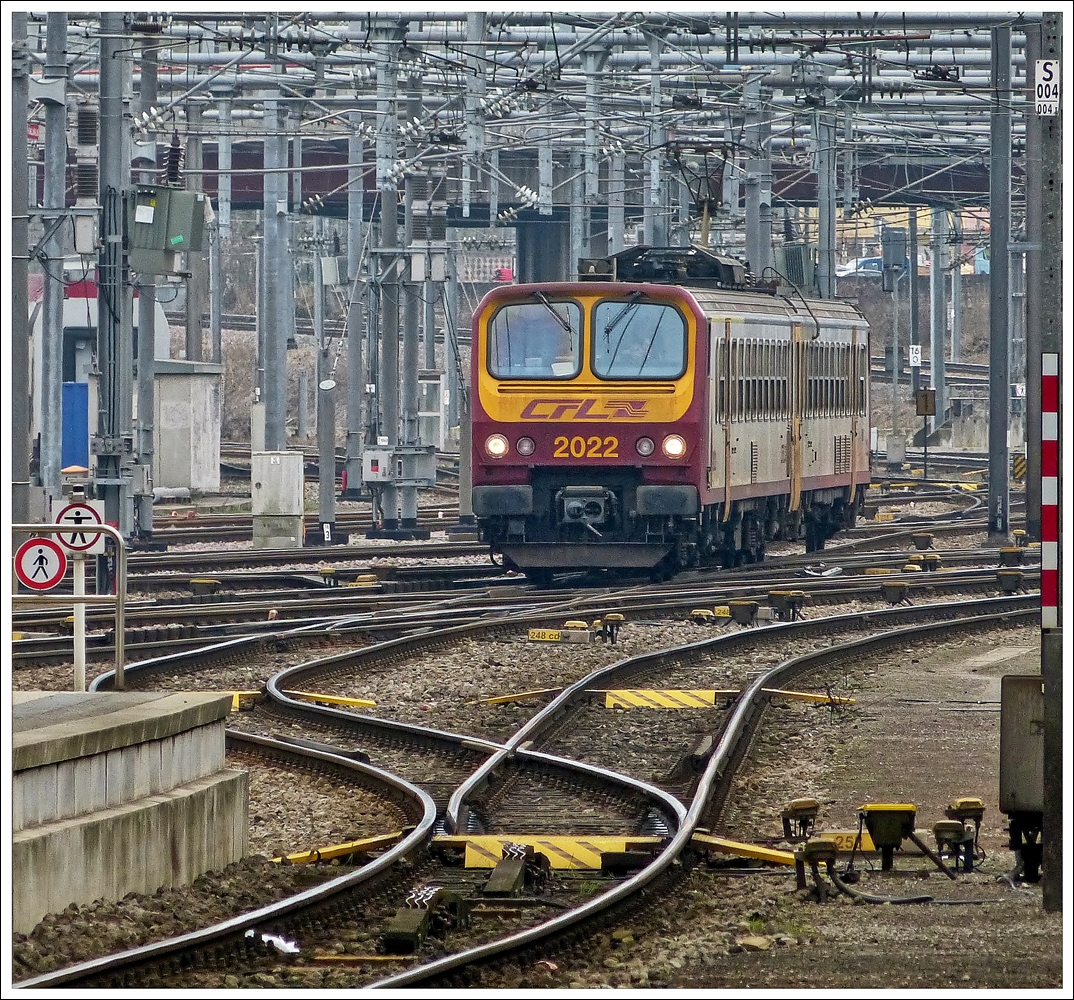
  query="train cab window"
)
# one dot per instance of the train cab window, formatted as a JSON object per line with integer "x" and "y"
{"x": 634, "y": 339}
{"x": 538, "y": 339}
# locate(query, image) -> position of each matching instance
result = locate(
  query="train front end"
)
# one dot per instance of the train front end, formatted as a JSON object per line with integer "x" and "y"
{"x": 587, "y": 417}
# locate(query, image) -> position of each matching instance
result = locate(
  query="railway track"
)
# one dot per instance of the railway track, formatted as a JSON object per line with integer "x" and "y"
{"x": 524, "y": 757}
{"x": 457, "y": 593}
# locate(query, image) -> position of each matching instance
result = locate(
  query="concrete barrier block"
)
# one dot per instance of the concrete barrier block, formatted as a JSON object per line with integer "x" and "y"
{"x": 167, "y": 839}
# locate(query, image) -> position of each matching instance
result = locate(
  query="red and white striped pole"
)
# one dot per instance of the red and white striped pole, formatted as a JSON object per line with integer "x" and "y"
{"x": 1049, "y": 491}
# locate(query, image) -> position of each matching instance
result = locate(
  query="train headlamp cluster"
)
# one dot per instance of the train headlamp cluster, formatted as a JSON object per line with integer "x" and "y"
{"x": 674, "y": 446}
{"x": 497, "y": 446}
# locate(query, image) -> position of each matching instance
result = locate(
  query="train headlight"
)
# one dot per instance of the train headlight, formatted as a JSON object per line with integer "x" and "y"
{"x": 674, "y": 446}
{"x": 496, "y": 446}
{"x": 525, "y": 446}
{"x": 644, "y": 447}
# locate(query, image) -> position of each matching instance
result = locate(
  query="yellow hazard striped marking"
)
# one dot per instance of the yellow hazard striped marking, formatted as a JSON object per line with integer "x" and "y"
{"x": 562, "y": 852}
{"x": 648, "y": 698}
{"x": 769, "y": 854}
{"x": 363, "y": 846}
{"x": 331, "y": 699}
{"x": 674, "y": 698}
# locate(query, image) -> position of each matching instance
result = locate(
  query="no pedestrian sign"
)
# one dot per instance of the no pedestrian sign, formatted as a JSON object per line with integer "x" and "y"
{"x": 83, "y": 518}
{"x": 40, "y": 564}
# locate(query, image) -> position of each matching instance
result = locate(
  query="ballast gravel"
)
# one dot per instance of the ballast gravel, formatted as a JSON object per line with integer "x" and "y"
{"x": 924, "y": 728}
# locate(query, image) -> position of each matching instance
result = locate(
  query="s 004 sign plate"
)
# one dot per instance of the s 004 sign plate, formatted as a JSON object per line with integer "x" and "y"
{"x": 1046, "y": 87}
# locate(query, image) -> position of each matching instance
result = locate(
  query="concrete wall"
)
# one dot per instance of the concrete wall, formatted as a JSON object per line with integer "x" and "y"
{"x": 187, "y": 426}
{"x": 83, "y": 785}
{"x": 161, "y": 840}
{"x": 117, "y": 792}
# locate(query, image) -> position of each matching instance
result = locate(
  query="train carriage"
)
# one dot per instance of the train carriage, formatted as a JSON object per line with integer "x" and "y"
{"x": 664, "y": 422}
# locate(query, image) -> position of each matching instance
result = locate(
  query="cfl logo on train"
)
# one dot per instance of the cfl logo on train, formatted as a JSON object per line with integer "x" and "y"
{"x": 584, "y": 409}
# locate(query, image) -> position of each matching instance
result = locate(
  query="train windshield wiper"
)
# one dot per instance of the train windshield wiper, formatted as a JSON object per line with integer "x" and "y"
{"x": 563, "y": 322}
{"x": 631, "y": 302}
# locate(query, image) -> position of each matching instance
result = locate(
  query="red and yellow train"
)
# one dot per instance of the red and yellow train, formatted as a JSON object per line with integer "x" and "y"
{"x": 667, "y": 414}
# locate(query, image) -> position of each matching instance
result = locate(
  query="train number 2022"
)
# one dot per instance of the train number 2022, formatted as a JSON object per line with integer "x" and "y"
{"x": 592, "y": 447}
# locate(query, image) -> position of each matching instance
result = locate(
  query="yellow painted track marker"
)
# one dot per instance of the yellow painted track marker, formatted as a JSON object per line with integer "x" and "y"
{"x": 364, "y": 846}
{"x": 648, "y": 698}
{"x": 331, "y": 699}
{"x": 819, "y": 699}
{"x": 504, "y": 699}
{"x": 769, "y": 854}
{"x": 237, "y": 697}
{"x": 657, "y": 698}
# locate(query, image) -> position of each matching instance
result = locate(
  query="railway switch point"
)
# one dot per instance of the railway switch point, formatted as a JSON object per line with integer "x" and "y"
{"x": 1010, "y": 580}
{"x": 521, "y": 868}
{"x": 743, "y": 612}
{"x": 204, "y": 586}
{"x": 895, "y": 592}
{"x": 328, "y": 576}
{"x": 889, "y": 824}
{"x": 702, "y": 616}
{"x": 922, "y": 540}
{"x": 799, "y": 818}
{"x": 1011, "y": 555}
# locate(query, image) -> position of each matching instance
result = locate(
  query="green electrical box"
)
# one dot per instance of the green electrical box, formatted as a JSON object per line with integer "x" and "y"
{"x": 162, "y": 222}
